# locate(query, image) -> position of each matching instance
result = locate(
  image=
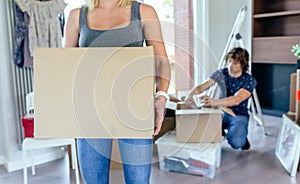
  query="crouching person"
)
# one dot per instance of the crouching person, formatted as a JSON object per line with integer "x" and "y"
{"x": 236, "y": 87}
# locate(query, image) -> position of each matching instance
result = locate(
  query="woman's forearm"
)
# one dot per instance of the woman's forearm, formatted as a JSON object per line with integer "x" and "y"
{"x": 163, "y": 75}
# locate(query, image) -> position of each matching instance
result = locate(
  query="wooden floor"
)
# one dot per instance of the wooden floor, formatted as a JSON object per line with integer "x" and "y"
{"x": 259, "y": 166}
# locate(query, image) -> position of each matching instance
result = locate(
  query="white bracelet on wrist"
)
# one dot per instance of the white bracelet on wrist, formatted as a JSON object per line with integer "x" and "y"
{"x": 164, "y": 94}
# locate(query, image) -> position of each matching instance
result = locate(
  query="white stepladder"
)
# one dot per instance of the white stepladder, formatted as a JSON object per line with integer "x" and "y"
{"x": 235, "y": 40}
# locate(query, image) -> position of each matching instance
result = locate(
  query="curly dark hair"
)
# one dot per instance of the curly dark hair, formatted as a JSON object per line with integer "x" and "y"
{"x": 241, "y": 55}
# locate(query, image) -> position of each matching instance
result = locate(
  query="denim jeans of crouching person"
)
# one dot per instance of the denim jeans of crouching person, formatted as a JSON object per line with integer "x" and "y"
{"x": 237, "y": 129}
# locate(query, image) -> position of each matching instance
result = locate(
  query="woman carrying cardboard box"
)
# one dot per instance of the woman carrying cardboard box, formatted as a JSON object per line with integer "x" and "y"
{"x": 120, "y": 23}
{"x": 236, "y": 86}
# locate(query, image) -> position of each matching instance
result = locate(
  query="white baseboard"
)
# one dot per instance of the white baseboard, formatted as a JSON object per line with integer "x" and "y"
{"x": 16, "y": 162}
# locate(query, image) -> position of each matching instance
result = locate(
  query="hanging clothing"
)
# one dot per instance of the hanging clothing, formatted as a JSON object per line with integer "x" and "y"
{"x": 28, "y": 59}
{"x": 20, "y": 30}
{"x": 44, "y": 25}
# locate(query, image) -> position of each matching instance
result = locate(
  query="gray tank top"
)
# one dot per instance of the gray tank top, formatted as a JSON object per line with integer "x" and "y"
{"x": 129, "y": 36}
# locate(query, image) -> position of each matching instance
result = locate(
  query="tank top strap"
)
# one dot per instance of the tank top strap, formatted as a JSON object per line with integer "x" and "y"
{"x": 135, "y": 11}
{"x": 82, "y": 17}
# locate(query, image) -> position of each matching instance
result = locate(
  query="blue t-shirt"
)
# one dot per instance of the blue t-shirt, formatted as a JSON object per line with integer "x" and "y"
{"x": 229, "y": 86}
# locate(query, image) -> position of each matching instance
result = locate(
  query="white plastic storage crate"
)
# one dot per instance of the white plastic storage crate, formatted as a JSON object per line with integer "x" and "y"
{"x": 190, "y": 158}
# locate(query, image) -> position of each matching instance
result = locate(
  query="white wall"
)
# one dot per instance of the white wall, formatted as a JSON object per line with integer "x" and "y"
{"x": 1, "y": 77}
{"x": 8, "y": 121}
{"x": 222, "y": 14}
{"x": 214, "y": 22}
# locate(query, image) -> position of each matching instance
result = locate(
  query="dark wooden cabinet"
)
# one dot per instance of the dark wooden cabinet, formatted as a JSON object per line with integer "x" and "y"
{"x": 276, "y": 27}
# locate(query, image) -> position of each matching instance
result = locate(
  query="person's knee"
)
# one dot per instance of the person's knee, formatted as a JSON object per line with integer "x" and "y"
{"x": 235, "y": 142}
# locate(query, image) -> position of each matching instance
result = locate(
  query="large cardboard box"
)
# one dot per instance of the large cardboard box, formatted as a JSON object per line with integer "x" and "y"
{"x": 94, "y": 92}
{"x": 198, "y": 125}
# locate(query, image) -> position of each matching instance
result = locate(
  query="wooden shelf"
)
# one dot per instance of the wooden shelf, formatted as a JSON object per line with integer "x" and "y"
{"x": 275, "y": 50}
{"x": 278, "y": 38}
{"x": 277, "y": 26}
{"x": 275, "y": 29}
{"x": 276, "y": 14}
{"x": 273, "y": 62}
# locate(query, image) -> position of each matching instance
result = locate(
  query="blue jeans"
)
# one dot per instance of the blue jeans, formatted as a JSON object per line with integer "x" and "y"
{"x": 237, "y": 129}
{"x": 94, "y": 160}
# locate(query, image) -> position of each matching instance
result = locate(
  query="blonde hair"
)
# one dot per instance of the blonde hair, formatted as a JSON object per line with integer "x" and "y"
{"x": 92, "y": 4}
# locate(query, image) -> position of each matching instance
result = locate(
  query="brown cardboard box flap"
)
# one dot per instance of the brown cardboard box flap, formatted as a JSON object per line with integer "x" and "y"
{"x": 94, "y": 92}
{"x": 228, "y": 111}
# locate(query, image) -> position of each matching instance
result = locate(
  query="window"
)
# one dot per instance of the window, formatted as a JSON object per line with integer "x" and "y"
{"x": 165, "y": 12}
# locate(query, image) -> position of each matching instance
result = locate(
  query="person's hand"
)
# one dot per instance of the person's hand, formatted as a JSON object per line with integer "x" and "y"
{"x": 159, "y": 105}
{"x": 208, "y": 101}
{"x": 189, "y": 101}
